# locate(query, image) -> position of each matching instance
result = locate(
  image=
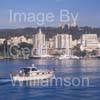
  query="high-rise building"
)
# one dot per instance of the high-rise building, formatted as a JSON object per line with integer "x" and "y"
{"x": 63, "y": 42}
{"x": 89, "y": 42}
{"x": 39, "y": 44}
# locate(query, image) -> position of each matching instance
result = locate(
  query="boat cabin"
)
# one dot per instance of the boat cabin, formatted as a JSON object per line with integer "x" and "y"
{"x": 26, "y": 71}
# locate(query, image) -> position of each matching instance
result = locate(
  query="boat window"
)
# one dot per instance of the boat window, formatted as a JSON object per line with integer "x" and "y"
{"x": 34, "y": 69}
{"x": 25, "y": 70}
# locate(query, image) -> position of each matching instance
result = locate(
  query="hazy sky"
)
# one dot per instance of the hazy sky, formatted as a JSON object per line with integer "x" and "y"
{"x": 88, "y": 11}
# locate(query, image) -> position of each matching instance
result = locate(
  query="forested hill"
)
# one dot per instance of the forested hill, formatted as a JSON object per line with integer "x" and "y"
{"x": 76, "y": 32}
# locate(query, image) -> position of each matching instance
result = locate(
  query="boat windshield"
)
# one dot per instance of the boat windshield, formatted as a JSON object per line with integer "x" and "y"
{"x": 26, "y": 70}
{"x": 34, "y": 69}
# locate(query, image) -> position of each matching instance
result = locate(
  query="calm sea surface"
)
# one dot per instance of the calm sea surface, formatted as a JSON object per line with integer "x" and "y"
{"x": 63, "y": 68}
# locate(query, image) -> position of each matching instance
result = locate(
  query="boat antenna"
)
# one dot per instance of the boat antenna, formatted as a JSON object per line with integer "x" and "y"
{"x": 32, "y": 65}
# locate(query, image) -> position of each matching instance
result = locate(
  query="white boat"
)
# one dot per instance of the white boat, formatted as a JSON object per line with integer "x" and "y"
{"x": 74, "y": 57}
{"x": 64, "y": 57}
{"x": 31, "y": 74}
{"x": 41, "y": 56}
{"x": 68, "y": 57}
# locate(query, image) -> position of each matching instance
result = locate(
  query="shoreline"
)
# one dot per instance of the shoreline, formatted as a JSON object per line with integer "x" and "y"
{"x": 27, "y": 58}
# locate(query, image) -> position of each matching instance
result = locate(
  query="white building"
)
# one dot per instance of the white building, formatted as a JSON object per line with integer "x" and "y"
{"x": 13, "y": 40}
{"x": 29, "y": 41}
{"x": 89, "y": 42}
{"x": 39, "y": 44}
{"x": 63, "y": 42}
{"x": 16, "y": 40}
{"x": 50, "y": 43}
{"x": 2, "y": 40}
{"x": 22, "y": 39}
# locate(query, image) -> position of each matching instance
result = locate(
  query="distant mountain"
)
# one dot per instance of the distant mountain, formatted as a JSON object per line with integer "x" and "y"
{"x": 76, "y": 32}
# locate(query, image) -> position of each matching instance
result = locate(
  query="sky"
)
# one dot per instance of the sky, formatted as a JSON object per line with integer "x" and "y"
{"x": 88, "y": 12}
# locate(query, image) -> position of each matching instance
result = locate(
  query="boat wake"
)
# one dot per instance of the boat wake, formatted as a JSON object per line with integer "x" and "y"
{"x": 4, "y": 81}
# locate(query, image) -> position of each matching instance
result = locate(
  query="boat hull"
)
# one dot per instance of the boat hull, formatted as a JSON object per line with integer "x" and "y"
{"x": 32, "y": 78}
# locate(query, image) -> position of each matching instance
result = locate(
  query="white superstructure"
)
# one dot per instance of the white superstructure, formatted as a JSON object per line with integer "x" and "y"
{"x": 31, "y": 74}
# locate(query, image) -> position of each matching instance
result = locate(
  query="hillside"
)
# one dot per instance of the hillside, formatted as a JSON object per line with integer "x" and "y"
{"x": 76, "y": 32}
